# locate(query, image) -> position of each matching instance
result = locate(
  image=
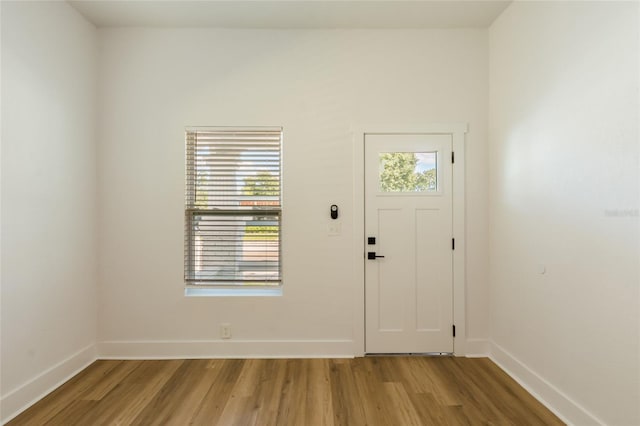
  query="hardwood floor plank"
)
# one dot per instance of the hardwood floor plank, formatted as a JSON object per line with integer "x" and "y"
{"x": 124, "y": 402}
{"x": 104, "y": 411}
{"x": 401, "y": 405}
{"x": 430, "y": 412}
{"x": 216, "y": 399}
{"x": 455, "y": 416}
{"x": 240, "y": 407}
{"x": 369, "y": 381}
{"x": 180, "y": 396}
{"x": 514, "y": 401}
{"x": 347, "y": 406}
{"x": 66, "y": 394}
{"x": 412, "y": 375}
{"x": 292, "y": 406}
{"x": 381, "y": 391}
{"x": 472, "y": 394}
{"x": 318, "y": 394}
{"x": 108, "y": 382}
{"x": 146, "y": 380}
{"x": 267, "y": 398}
{"x": 439, "y": 382}
{"x": 72, "y": 413}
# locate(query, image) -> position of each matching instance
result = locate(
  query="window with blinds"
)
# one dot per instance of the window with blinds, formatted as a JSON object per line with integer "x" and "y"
{"x": 233, "y": 206}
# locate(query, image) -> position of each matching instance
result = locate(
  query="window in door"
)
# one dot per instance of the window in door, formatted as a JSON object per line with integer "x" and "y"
{"x": 408, "y": 171}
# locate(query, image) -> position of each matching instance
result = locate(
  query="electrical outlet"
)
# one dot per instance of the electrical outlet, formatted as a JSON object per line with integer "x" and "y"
{"x": 225, "y": 331}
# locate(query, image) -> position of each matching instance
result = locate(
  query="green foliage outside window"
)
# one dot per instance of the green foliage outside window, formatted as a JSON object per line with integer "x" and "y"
{"x": 263, "y": 184}
{"x": 399, "y": 174}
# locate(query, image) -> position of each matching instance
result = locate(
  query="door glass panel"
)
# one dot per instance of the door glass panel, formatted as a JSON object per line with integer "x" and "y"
{"x": 408, "y": 172}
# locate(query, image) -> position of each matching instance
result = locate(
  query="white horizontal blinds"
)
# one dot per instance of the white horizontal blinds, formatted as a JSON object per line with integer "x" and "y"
{"x": 233, "y": 206}
{"x": 233, "y": 168}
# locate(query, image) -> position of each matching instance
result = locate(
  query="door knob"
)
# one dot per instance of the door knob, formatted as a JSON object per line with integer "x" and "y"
{"x": 372, "y": 255}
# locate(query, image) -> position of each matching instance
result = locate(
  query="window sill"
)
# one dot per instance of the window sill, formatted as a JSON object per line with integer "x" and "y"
{"x": 234, "y": 292}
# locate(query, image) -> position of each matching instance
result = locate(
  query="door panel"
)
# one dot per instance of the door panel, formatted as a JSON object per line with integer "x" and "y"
{"x": 408, "y": 208}
{"x": 428, "y": 281}
{"x": 390, "y": 223}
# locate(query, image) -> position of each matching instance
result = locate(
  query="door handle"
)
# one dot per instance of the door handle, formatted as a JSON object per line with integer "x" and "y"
{"x": 372, "y": 255}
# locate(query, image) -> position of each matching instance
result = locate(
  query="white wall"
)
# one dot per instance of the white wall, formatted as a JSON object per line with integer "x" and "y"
{"x": 564, "y": 194}
{"x": 564, "y": 188}
{"x": 49, "y": 273}
{"x": 316, "y": 84}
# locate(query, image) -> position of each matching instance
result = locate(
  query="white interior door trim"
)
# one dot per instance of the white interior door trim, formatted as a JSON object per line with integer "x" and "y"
{"x": 457, "y": 132}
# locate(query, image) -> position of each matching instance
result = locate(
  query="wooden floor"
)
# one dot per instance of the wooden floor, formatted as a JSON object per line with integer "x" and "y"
{"x": 394, "y": 391}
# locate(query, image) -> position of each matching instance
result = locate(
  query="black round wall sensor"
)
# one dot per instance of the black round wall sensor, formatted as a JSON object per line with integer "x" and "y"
{"x": 334, "y": 211}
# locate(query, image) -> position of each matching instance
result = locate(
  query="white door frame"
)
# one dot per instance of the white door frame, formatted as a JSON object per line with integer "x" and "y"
{"x": 457, "y": 132}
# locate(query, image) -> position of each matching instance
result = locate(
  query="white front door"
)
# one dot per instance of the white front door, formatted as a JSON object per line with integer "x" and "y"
{"x": 408, "y": 227}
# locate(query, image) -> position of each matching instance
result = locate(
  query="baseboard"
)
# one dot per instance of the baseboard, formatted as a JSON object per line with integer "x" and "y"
{"x": 21, "y": 398}
{"x": 193, "y": 349}
{"x": 555, "y": 400}
{"x": 478, "y": 348}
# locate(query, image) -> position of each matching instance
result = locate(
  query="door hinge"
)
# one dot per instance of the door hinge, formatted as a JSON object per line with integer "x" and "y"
{"x": 453, "y": 244}
{"x": 453, "y": 157}
{"x": 454, "y": 330}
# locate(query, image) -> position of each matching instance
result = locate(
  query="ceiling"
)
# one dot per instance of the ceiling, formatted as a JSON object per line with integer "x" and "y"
{"x": 291, "y": 13}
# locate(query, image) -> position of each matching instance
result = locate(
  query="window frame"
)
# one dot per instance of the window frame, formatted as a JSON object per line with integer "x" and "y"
{"x": 203, "y": 286}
